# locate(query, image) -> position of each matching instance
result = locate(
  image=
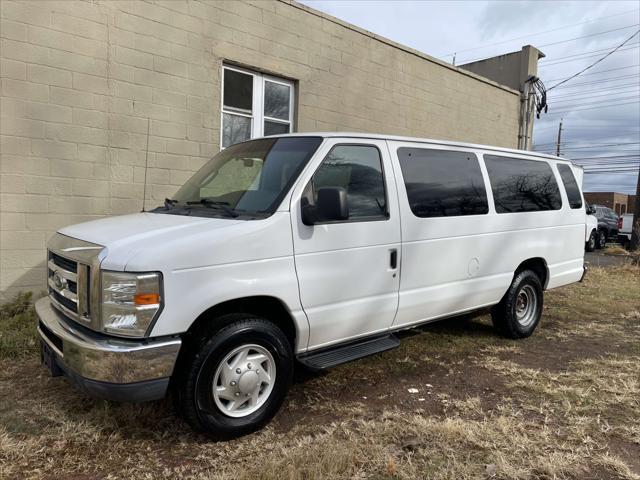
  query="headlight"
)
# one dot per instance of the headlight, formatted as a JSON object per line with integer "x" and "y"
{"x": 130, "y": 301}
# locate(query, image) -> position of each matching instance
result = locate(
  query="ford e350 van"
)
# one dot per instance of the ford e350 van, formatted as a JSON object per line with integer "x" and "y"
{"x": 310, "y": 248}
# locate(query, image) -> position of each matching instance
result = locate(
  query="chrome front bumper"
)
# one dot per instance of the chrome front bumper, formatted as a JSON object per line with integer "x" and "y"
{"x": 108, "y": 367}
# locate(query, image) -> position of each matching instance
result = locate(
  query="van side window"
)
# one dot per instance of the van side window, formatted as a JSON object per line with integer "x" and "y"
{"x": 521, "y": 185}
{"x": 357, "y": 169}
{"x": 442, "y": 183}
{"x": 570, "y": 186}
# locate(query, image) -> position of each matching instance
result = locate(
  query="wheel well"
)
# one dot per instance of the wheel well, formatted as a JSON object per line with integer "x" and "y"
{"x": 267, "y": 307}
{"x": 539, "y": 266}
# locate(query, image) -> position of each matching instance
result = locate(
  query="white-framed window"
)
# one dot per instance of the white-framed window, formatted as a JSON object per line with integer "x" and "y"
{"x": 254, "y": 105}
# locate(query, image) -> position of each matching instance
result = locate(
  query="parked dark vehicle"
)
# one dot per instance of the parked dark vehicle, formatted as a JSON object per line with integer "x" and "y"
{"x": 608, "y": 225}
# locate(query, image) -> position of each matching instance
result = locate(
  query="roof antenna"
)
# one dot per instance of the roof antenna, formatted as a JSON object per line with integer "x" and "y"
{"x": 146, "y": 163}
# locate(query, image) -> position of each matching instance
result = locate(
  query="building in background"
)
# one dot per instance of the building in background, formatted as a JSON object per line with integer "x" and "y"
{"x": 621, "y": 203}
{"x": 94, "y": 91}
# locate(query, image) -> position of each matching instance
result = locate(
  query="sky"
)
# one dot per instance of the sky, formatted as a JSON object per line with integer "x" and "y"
{"x": 600, "y": 108}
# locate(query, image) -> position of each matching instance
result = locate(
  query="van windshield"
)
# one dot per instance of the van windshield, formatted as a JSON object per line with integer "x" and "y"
{"x": 246, "y": 179}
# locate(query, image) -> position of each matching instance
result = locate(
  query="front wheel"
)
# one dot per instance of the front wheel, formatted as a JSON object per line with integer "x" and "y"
{"x": 520, "y": 310}
{"x": 237, "y": 379}
{"x": 590, "y": 246}
{"x": 602, "y": 239}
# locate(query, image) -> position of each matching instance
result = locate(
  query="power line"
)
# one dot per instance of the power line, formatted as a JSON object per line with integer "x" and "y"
{"x": 591, "y": 108}
{"x": 584, "y": 57}
{"x": 602, "y": 80}
{"x": 600, "y": 71}
{"x": 601, "y": 50}
{"x": 589, "y": 36}
{"x": 539, "y": 33}
{"x": 609, "y": 157}
{"x": 602, "y": 145}
{"x": 594, "y": 63}
{"x": 598, "y": 92}
{"x": 571, "y": 102}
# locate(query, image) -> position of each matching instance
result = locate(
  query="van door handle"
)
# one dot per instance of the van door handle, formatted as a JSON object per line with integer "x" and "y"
{"x": 393, "y": 259}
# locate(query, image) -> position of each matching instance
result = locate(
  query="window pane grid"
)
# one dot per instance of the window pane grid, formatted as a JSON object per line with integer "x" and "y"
{"x": 266, "y": 102}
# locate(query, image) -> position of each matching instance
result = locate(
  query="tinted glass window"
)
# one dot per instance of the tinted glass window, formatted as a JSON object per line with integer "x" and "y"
{"x": 443, "y": 183}
{"x": 248, "y": 178}
{"x": 520, "y": 185}
{"x": 357, "y": 169}
{"x": 570, "y": 186}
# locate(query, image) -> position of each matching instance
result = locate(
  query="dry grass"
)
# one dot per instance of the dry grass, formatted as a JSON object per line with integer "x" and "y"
{"x": 615, "y": 250}
{"x": 562, "y": 404}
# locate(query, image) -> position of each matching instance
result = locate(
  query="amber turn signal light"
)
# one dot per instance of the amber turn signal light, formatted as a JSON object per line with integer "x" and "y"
{"x": 146, "y": 299}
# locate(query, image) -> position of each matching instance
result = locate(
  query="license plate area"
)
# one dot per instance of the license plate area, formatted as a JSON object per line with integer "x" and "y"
{"x": 48, "y": 358}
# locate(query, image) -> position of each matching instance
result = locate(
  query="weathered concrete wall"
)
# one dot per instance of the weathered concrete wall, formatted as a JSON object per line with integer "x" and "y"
{"x": 511, "y": 69}
{"x": 81, "y": 80}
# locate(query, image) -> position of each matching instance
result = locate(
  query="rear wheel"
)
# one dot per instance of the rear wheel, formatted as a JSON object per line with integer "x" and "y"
{"x": 602, "y": 239}
{"x": 590, "y": 246}
{"x": 237, "y": 378}
{"x": 519, "y": 311}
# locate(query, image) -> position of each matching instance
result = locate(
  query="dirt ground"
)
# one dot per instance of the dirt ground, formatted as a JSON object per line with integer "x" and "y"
{"x": 564, "y": 403}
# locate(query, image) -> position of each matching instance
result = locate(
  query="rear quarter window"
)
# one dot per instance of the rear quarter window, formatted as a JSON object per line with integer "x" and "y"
{"x": 521, "y": 185}
{"x": 570, "y": 186}
{"x": 442, "y": 183}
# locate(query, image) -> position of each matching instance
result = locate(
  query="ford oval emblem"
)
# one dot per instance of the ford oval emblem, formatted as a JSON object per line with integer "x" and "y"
{"x": 59, "y": 281}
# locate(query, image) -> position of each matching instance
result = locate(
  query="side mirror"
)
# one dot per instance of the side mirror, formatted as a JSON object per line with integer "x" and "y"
{"x": 331, "y": 205}
{"x": 591, "y": 210}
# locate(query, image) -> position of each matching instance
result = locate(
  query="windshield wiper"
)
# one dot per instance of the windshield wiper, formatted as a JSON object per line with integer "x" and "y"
{"x": 169, "y": 202}
{"x": 224, "y": 206}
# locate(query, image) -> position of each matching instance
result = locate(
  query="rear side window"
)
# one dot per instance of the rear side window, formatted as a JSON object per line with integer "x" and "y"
{"x": 570, "y": 186}
{"x": 357, "y": 169}
{"x": 520, "y": 185}
{"x": 443, "y": 183}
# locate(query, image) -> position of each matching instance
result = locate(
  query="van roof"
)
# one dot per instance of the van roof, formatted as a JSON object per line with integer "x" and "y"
{"x": 423, "y": 140}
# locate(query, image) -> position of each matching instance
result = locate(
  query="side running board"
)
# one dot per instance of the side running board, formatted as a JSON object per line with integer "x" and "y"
{"x": 333, "y": 356}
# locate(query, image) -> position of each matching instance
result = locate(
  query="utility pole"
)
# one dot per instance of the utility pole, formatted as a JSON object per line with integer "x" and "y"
{"x": 635, "y": 228}
{"x": 559, "y": 137}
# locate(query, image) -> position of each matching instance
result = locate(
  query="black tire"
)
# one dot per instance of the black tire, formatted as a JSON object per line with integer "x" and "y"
{"x": 590, "y": 246}
{"x": 602, "y": 240}
{"x": 505, "y": 314}
{"x": 194, "y": 386}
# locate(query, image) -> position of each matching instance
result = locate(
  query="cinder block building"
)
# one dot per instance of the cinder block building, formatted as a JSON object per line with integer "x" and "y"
{"x": 92, "y": 91}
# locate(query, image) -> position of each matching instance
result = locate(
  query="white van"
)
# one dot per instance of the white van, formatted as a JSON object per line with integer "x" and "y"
{"x": 312, "y": 248}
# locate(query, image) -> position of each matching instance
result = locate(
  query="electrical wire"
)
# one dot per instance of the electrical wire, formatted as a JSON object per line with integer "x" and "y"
{"x": 600, "y": 71}
{"x": 602, "y": 80}
{"x": 540, "y": 33}
{"x": 600, "y": 50}
{"x": 632, "y": 87}
{"x": 561, "y": 41}
{"x": 595, "y": 63}
{"x": 601, "y": 145}
{"x": 591, "y": 108}
{"x": 572, "y": 102}
{"x": 581, "y": 56}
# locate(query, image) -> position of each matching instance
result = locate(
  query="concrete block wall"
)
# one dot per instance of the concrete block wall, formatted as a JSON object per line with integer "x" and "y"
{"x": 82, "y": 82}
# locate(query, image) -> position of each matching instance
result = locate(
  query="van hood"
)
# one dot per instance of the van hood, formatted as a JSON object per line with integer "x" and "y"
{"x": 137, "y": 227}
{"x": 126, "y": 234}
{"x": 158, "y": 241}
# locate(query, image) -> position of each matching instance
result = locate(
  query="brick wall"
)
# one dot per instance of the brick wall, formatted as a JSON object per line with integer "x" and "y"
{"x": 618, "y": 202}
{"x": 81, "y": 82}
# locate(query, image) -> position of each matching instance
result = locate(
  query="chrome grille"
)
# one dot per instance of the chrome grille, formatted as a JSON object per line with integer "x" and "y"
{"x": 68, "y": 286}
{"x": 73, "y": 272}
